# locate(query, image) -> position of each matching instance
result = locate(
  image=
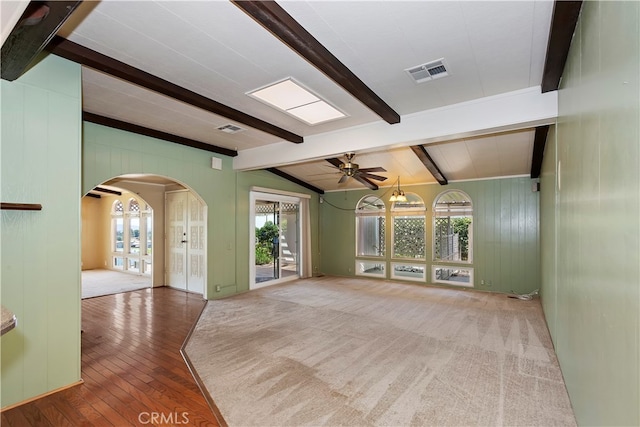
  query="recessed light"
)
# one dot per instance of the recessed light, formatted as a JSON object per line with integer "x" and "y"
{"x": 292, "y": 98}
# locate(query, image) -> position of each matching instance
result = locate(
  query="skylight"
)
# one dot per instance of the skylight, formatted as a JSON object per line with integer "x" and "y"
{"x": 293, "y": 99}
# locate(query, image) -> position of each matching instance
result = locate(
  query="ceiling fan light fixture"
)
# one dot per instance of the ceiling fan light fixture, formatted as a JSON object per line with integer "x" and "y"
{"x": 398, "y": 195}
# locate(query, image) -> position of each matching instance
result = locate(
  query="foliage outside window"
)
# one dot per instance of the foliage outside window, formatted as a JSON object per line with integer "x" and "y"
{"x": 452, "y": 227}
{"x": 266, "y": 236}
{"x": 370, "y": 227}
{"x": 409, "y": 228}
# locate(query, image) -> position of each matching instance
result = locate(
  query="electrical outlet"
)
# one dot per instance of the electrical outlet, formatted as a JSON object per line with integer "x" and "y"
{"x": 217, "y": 288}
{"x": 482, "y": 282}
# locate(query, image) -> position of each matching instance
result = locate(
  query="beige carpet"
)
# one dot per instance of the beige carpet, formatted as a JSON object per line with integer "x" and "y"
{"x": 96, "y": 283}
{"x": 338, "y": 351}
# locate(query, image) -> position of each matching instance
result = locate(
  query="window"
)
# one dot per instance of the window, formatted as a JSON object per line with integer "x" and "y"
{"x": 455, "y": 276}
{"x": 134, "y": 227}
{"x": 409, "y": 230}
{"x": 132, "y": 232}
{"x": 370, "y": 268}
{"x": 117, "y": 227}
{"x": 453, "y": 227}
{"x": 370, "y": 227}
{"x": 406, "y": 271}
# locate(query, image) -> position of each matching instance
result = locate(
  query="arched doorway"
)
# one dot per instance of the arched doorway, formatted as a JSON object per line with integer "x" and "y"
{"x": 138, "y": 248}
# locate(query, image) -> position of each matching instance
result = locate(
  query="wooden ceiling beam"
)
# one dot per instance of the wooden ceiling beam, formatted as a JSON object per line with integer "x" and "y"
{"x": 539, "y": 142}
{"x": 107, "y": 190}
{"x": 295, "y": 180}
{"x": 428, "y": 162}
{"x": 141, "y": 130}
{"x": 90, "y": 58}
{"x": 282, "y": 25}
{"x": 563, "y": 24}
{"x": 36, "y": 27}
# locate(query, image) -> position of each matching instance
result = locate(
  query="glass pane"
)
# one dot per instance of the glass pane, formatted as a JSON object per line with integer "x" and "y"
{"x": 118, "y": 238}
{"x": 370, "y": 239}
{"x": 453, "y": 276}
{"x": 370, "y": 268}
{"x": 148, "y": 267}
{"x": 134, "y": 235}
{"x": 370, "y": 204}
{"x": 408, "y": 271}
{"x": 413, "y": 202}
{"x": 267, "y": 240}
{"x": 118, "y": 263}
{"x": 134, "y": 264}
{"x": 409, "y": 237}
{"x": 149, "y": 233}
{"x": 451, "y": 238}
{"x": 289, "y": 265}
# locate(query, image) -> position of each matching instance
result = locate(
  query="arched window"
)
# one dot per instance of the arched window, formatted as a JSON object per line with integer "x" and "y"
{"x": 371, "y": 228}
{"x": 409, "y": 230}
{"x": 409, "y": 238}
{"x": 453, "y": 227}
{"x": 132, "y": 231}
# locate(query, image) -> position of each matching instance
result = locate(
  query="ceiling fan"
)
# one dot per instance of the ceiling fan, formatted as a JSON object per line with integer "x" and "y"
{"x": 349, "y": 169}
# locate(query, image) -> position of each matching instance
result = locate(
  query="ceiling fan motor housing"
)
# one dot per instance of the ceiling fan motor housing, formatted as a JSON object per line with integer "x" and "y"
{"x": 349, "y": 168}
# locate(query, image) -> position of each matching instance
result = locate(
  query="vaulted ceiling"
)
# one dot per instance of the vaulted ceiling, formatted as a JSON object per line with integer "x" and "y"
{"x": 182, "y": 70}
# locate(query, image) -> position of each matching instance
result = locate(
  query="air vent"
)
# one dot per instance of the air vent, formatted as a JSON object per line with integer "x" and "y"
{"x": 429, "y": 71}
{"x": 230, "y": 128}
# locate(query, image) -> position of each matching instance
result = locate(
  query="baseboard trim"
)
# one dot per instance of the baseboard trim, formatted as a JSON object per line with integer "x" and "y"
{"x": 40, "y": 396}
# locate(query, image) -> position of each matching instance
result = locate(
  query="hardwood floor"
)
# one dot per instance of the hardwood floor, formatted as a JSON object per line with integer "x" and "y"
{"x": 131, "y": 366}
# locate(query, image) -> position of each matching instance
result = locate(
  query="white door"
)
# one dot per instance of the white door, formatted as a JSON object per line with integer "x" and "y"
{"x": 196, "y": 240}
{"x": 186, "y": 241}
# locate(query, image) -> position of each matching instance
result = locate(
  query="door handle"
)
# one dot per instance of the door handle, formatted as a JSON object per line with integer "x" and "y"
{"x": 183, "y": 241}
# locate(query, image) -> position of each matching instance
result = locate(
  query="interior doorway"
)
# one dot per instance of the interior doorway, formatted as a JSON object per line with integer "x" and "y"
{"x": 117, "y": 242}
{"x": 129, "y": 242}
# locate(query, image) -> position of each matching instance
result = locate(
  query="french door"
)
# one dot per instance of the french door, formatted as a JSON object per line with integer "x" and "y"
{"x": 275, "y": 240}
{"x": 186, "y": 241}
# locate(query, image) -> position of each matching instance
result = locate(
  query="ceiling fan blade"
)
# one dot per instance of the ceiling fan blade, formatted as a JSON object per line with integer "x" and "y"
{"x": 378, "y": 169}
{"x": 364, "y": 181}
{"x": 343, "y": 178}
{"x": 334, "y": 161}
{"x": 372, "y": 176}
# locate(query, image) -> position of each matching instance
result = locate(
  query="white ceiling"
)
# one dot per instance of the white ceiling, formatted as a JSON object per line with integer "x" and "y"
{"x": 216, "y": 50}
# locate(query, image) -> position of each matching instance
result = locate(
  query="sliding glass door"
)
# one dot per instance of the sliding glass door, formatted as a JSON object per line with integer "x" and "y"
{"x": 275, "y": 240}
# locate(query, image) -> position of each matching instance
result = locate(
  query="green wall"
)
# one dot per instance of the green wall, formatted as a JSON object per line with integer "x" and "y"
{"x": 40, "y": 280}
{"x": 591, "y": 220}
{"x": 505, "y": 231}
{"x": 108, "y": 153}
